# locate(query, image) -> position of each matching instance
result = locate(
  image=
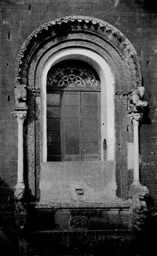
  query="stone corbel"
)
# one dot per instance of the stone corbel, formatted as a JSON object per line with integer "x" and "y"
{"x": 136, "y": 100}
{"x": 20, "y": 93}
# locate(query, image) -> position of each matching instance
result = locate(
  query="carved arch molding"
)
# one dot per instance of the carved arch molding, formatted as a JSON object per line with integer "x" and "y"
{"x": 75, "y": 31}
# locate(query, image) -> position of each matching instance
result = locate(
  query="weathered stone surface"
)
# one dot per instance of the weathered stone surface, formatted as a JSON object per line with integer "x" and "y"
{"x": 137, "y": 20}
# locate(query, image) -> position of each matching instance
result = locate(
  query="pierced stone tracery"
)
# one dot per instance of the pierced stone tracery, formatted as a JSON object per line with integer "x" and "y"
{"x": 72, "y": 77}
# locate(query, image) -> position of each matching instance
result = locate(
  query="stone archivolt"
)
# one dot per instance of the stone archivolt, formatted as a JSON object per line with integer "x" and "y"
{"x": 73, "y": 24}
{"x": 90, "y": 33}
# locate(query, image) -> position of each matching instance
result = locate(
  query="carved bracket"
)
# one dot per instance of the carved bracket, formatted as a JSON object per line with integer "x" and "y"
{"x": 20, "y": 93}
{"x": 136, "y": 104}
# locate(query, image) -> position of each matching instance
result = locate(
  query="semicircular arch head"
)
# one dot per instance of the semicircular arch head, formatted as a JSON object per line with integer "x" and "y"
{"x": 81, "y": 30}
{"x": 107, "y": 89}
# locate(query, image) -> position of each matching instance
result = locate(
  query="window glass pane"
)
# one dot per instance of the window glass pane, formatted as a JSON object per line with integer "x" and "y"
{"x": 72, "y": 99}
{"x": 53, "y": 136}
{"x": 90, "y": 99}
{"x": 72, "y": 140}
{"x": 90, "y": 112}
{"x": 53, "y": 124}
{"x": 90, "y": 124}
{"x": 54, "y": 149}
{"x": 53, "y": 127}
{"x": 91, "y": 136}
{"x": 73, "y": 112}
{"x": 71, "y": 123}
{"x": 53, "y": 99}
{"x": 91, "y": 148}
{"x": 53, "y": 112}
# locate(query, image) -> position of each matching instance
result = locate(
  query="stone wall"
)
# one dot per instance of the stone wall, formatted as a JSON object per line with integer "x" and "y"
{"x": 136, "y": 19}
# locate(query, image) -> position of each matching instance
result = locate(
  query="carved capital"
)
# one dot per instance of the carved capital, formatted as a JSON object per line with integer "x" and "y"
{"x": 135, "y": 116}
{"x": 20, "y": 114}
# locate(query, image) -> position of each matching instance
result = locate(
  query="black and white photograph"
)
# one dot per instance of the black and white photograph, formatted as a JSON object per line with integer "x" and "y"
{"x": 78, "y": 127}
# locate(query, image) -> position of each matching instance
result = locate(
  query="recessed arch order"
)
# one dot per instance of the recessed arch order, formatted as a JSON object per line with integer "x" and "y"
{"x": 108, "y": 51}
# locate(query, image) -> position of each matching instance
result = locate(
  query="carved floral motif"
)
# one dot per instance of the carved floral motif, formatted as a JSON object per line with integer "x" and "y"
{"x": 72, "y": 77}
{"x": 21, "y": 114}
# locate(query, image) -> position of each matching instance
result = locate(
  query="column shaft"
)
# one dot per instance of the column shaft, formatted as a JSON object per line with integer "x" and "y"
{"x": 136, "y": 150}
{"x": 20, "y": 171}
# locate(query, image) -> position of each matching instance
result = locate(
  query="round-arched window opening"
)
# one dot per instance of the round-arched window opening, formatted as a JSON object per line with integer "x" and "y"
{"x": 73, "y": 112}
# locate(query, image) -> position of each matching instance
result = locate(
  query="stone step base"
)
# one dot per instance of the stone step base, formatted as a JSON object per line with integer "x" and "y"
{"x": 100, "y": 242}
{"x": 87, "y": 243}
{"x": 82, "y": 218}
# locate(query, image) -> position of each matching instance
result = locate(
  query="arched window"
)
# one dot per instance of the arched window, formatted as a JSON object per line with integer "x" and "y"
{"x": 73, "y": 112}
{"x": 52, "y": 86}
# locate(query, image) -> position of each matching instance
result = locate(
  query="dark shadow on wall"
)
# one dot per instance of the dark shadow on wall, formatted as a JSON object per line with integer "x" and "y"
{"x": 150, "y": 5}
{"x": 147, "y": 240}
{"x": 9, "y": 242}
{"x": 147, "y": 5}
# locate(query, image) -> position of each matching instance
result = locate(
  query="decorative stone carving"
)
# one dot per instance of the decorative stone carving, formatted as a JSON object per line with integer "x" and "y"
{"x": 20, "y": 93}
{"x": 20, "y": 207}
{"x": 135, "y": 116}
{"x": 139, "y": 209}
{"x": 137, "y": 192}
{"x": 74, "y": 23}
{"x": 90, "y": 33}
{"x": 72, "y": 77}
{"x": 136, "y": 104}
{"x": 20, "y": 114}
{"x": 19, "y": 196}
